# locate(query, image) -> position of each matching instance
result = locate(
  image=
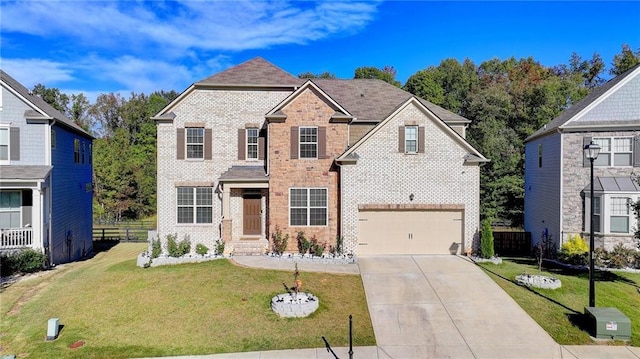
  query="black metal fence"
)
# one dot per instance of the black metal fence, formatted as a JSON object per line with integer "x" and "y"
{"x": 512, "y": 244}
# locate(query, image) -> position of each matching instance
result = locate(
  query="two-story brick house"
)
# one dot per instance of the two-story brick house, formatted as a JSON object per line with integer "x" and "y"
{"x": 557, "y": 173}
{"x": 253, "y": 148}
{"x": 45, "y": 177}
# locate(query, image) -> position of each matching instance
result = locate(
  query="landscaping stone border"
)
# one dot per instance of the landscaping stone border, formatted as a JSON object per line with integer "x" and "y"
{"x": 287, "y": 306}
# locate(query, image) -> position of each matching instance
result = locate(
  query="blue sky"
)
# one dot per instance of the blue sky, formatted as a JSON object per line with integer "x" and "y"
{"x": 95, "y": 47}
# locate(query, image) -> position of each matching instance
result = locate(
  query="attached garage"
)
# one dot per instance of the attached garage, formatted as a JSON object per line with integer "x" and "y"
{"x": 410, "y": 231}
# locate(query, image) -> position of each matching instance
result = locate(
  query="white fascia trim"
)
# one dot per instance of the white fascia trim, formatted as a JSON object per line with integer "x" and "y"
{"x": 27, "y": 101}
{"x": 171, "y": 105}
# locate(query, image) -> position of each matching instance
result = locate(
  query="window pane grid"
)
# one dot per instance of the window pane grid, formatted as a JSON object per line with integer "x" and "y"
{"x": 4, "y": 144}
{"x": 308, "y": 142}
{"x": 308, "y": 206}
{"x": 195, "y": 142}
{"x": 411, "y": 139}
{"x": 195, "y": 205}
{"x": 614, "y": 151}
{"x": 619, "y": 206}
{"x": 252, "y": 143}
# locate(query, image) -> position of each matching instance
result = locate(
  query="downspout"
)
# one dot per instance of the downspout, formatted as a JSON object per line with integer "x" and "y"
{"x": 561, "y": 179}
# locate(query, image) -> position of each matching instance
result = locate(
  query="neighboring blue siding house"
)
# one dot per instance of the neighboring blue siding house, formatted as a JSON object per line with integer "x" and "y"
{"x": 557, "y": 174}
{"x": 45, "y": 177}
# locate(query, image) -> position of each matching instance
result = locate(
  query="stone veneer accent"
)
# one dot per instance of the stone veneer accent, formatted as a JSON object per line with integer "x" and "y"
{"x": 576, "y": 178}
{"x": 439, "y": 178}
{"x": 308, "y": 109}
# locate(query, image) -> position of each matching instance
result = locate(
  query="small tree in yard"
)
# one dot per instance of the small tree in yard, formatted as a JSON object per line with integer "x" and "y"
{"x": 486, "y": 240}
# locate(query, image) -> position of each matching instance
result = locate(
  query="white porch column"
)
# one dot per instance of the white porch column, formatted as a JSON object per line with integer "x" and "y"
{"x": 37, "y": 213}
{"x": 226, "y": 202}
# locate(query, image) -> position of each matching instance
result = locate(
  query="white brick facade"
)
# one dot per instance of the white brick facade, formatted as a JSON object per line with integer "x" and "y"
{"x": 382, "y": 175}
{"x": 223, "y": 111}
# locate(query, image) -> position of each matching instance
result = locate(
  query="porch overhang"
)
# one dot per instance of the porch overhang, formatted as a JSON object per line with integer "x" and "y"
{"x": 613, "y": 184}
{"x": 247, "y": 177}
{"x": 24, "y": 176}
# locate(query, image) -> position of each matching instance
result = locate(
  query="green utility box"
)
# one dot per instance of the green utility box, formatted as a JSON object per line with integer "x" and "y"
{"x": 608, "y": 323}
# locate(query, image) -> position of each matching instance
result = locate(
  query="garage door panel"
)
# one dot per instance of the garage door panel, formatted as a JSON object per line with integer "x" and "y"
{"x": 409, "y": 232}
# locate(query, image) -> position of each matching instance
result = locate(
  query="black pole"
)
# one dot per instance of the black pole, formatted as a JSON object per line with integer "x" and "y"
{"x": 350, "y": 336}
{"x": 592, "y": 289}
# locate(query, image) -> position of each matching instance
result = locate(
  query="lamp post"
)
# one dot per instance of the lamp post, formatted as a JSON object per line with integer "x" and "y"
{"x": 591, "y": 151}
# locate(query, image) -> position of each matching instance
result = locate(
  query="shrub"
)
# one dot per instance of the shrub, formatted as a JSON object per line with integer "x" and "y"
{"x": 184, "y": 247}
{"x": 279, "y": 242}
{"x": 486, "y": 240}
{"x": 156, "y": 248}
{"x": 316, "y": 248}
{"x": 201, "y": 249}
{"x": 23, "y": 261}
{"x": 172, "y": 245}
{"x": 620, "y": 256}
{"x": 303, "y": 243}
{"x": 575, "y": 251}
{"x": 219, "y": 247}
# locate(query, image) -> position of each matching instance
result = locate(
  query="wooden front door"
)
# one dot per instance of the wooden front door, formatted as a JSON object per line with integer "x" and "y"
{"x": 252, "y": 219}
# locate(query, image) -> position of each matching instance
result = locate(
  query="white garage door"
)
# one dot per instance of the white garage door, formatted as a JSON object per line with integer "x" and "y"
{"x": 409, "y": 232}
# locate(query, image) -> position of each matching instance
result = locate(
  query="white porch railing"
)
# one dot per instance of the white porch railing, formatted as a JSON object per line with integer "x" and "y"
{"x": 12, "y": 238}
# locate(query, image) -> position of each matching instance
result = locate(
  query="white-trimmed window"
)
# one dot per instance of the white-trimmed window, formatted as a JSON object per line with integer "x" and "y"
{"x": 195, "y": 204}
{"x": 4, "y": 144}
{"x": 252, "y": 143}
{"x": 411, "y": 139}
{"x": 10, "y": 209}
{"x": 619, "y": 219}
{"x": 308, "y": 206}
{"x": 596, "y": 214}
{"x": 195, "y": 142}
{"x": 308, "y": 142}
{"x": 614, "y": 151}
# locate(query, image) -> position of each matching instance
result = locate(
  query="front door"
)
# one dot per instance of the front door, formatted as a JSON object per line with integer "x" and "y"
{"x": 252, "y": 219}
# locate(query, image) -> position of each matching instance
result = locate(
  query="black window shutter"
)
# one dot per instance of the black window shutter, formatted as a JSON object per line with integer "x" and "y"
{"x": 401, "y": 139}
{"x": 241, "y": 143}
{"x": 180, "y": 143}
{"x": 322, "y": 142}
{"x": 585, "y": 160}
{"x": 294, "y": 143}
{"x": 208, "y": 144}
{"x": 636, "y": 151}
{"x": 421, "y": 142}
{"x": 14, "y": 142}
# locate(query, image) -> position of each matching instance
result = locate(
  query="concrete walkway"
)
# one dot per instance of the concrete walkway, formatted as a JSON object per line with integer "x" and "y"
{"x": 434, "y": 307}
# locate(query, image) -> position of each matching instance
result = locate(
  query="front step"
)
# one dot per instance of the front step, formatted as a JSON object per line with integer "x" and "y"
{"x": 249, "y": 247}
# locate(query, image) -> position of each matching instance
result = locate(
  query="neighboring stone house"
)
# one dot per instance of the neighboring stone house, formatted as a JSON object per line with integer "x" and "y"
{"x": 557, "y": 174}
{"x": 254, "y": 149}
{"x": 45, "y": 177}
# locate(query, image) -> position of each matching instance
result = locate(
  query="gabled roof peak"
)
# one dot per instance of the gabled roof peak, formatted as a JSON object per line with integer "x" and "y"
{"x": 254, "y": 72}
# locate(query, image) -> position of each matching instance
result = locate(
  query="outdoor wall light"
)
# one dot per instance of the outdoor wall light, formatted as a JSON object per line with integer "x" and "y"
{"x": 411, "y": 196}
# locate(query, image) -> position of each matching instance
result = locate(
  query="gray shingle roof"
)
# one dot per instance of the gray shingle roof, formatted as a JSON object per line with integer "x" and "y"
{"x": 40, "y": 103}
{"x": 373, "y": 100}
{"x": 369, "y": 100}
{"x": 12, "y": 172}
{"x": 245, "y": 173}
{"x": 569, "y": 113}
{"x": 255, "y": 72}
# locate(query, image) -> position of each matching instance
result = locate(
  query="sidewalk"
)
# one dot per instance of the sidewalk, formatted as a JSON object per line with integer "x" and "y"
{"x": 380, "y": 352}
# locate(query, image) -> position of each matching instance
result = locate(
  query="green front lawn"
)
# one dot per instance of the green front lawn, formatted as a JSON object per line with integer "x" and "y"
{"x": 120, "y": 310}
{"x": 560, "y": 311}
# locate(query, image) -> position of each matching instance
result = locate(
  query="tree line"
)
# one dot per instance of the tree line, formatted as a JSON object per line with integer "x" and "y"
{"x": 506, "y": 100}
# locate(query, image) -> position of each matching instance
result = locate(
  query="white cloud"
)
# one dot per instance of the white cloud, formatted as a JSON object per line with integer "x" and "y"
{"x": 30, "y": 72}
{"x": 173, "y": 26}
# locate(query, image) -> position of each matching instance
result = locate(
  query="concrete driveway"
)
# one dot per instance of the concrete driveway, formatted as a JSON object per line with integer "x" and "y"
{"x": 446, "y": 307}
